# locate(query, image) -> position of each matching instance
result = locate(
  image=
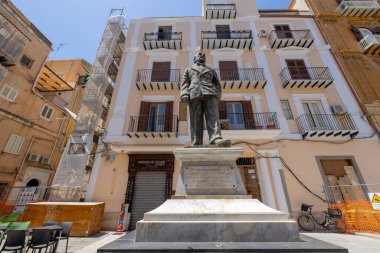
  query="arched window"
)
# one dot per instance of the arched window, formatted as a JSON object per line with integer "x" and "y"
{"x": 365, "y": 32}
{"x": 33, "y": 183}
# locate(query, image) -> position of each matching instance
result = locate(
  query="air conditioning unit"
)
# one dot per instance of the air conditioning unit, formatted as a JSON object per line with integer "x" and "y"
{"x": 263, "y": 33}
{"x": 33, "y": 157}
{"x": 338, "y": 109}
{"x": 44, "y": 160}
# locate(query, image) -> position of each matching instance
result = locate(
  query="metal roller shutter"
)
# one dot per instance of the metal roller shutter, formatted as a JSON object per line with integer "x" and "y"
{"x": 149, "y": 193}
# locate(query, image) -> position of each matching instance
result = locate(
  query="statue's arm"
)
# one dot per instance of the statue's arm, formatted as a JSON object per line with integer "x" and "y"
{"x": 216, "y": 82}
{"x": 185, "y": 84}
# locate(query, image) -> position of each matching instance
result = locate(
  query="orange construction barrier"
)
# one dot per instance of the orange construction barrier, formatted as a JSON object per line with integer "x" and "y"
{"x": 359, "y": 216}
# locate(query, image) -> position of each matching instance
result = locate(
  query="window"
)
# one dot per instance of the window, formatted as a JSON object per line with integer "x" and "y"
{"x": 229, "y": 71}
{"x": 314, "y": 114}
{"x": 223, "y": 32}
{"x": 297, "y": 69}
{"x": 14, "y": 144}
{"x": 47, "y": 112}
{"x": 235, "y": 115}
{"x": 3, "y": 189}
{"x": 156, "y": 121}
{"x": 83, "y": 79}
{"x": 161, "y": 72}
{"x": 283, "y": 32}
{"x": 286, "y": 109}
{"x": 8, "y": 93}
{"x": 165, "y": 32}
{"x": 26, "y": 61}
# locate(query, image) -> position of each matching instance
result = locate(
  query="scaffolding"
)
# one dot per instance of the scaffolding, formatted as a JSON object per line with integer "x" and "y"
{"x": 77, "y": 158}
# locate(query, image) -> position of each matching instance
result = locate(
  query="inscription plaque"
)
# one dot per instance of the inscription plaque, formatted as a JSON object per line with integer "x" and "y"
{"x": 210, "y": 179}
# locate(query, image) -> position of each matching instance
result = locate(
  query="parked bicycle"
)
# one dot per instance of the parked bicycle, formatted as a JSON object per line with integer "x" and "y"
{"x": 333, "y": 220}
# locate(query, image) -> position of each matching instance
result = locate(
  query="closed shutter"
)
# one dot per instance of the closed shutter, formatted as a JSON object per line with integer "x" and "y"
{"x": 357, "y": 33}
{"x": 228, "y": 71}
{"x": 161, "y": 72}
{"x": 222, "y": 110}
{"x": 248, "y": 115}
{"x": 149, "y": 193}
{"x": 169, "y": 117}
{"x": 283, "y": 32}
{"x": 143, "y": 117}
{"x": 297, "y": 69}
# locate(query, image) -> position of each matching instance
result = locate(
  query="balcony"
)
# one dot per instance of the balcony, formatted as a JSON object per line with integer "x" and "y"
{"x": 153, "y": 126}
{"x": 11, "y": 47}
{"x": 250, "y": 125}
{"x": 168, "y": 40}
{"x": 157, "y": 79}
{"x": 306, "y": 77}
{"x": 292, "y": 38}
{"x": 221, "y": 11}
{"x": 358, "y": 8}
{"x": 370, "y": 45}
{"x": 327, "y": 127}
{"x": 252, "y": 78}
{"x": 233, "y": 39}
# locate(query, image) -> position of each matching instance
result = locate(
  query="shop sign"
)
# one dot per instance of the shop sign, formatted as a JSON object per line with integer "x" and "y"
{"x": 375, "y": 200}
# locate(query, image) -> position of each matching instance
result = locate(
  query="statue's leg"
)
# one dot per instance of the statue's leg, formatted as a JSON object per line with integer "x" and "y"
{"x": 196, "y": 121}
{"x": 211, "y": 108}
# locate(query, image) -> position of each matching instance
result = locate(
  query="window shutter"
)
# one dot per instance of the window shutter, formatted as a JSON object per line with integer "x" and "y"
{"x": 357, "y": 33}
{"x": 143, "y": 117}
{"x": 17, "y": 145}
{"x": 161, "y": 72}
{"x": 222, "y": 110}
{"x": 10, "y": 143}
{"x": 248, "y": 115}
{"x": 169, "y": 117}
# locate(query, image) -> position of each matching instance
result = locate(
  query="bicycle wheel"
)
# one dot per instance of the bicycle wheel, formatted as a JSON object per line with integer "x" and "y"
{"x": 337, "y": 225}
{"x": 306, "y": 223}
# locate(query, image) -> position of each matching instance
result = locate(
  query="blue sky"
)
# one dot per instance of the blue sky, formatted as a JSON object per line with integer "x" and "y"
{"x": 79, "y": 24}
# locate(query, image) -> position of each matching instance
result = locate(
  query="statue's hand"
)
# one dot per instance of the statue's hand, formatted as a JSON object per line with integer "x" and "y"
{"x": 185, "y": 99}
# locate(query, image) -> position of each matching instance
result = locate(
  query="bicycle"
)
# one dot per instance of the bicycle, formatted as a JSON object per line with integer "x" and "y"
{"x": 333, "y": 220}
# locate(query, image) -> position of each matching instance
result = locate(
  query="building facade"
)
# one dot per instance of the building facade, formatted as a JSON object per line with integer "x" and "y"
{"x": 38, "y": 100}
{"x": 352, "y": 29}
{"x": 285, "y": 102}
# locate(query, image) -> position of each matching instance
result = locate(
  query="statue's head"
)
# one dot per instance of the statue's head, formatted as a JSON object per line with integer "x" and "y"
{"x": 200, "y": 58}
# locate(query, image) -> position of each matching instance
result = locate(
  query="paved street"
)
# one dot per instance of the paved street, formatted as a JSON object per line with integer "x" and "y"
{"x": 360, "y": 243}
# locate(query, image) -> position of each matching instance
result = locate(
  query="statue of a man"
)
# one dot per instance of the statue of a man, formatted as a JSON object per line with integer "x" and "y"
{"x": 201, "y": 90}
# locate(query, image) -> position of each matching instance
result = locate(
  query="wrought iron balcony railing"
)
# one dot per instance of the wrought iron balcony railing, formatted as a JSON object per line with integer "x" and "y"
{"x": 326, "y": 124}
{"x": 153, "y": 124}
{"x": 221, "y": 6}
{"x": 249, "y": 121}
{"x": 370, "y": 44}
{"x": 358, "y": 8}
{"x": 306, "y": 77}
{"x": 250, "y": 74}
{"x": 158, "y": 75}
{"x": 227, "y": 35}
{"x": 298, "y": 38}
{"x": 163, "y": 36}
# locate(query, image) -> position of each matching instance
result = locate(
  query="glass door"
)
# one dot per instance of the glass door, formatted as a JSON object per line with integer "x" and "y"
{"x": 235, "y": 116}
{"x": 156, "y": 121}
{"x": 315, "y": 115}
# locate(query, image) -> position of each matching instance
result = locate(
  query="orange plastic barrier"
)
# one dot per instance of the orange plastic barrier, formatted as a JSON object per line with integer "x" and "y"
{"x": 360, "y": 216}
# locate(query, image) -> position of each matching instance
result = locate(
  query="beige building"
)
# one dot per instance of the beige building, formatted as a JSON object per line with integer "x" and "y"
{"x": 285, "y": 102}
{"x": 38, "y": 100}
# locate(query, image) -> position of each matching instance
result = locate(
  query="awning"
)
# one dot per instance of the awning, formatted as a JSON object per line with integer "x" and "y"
{"x": 49, "y": 81}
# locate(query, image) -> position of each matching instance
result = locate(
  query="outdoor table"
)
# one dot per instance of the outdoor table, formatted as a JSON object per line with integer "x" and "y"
{"x": 51, "y": 228}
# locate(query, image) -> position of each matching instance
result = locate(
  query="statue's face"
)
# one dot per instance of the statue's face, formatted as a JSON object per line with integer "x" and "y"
{"x": 200, "y": 58}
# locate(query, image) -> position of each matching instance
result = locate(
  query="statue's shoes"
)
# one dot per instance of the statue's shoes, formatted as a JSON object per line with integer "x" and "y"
{"x": 222, "y": 143}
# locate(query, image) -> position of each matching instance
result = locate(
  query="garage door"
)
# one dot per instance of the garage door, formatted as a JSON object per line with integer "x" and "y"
{"x": 149, "y": 193}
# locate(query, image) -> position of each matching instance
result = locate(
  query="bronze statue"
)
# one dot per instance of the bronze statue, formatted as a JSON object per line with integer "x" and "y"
{"x": 201, "y": 90}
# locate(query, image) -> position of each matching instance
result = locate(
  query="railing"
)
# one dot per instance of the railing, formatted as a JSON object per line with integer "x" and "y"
{"x": 158, "y": 75}
{"x": 227, "y": 35}
{"x": 241, "y": 74}
{"x": 221, "y": 7}
{"x": 325, "y": 122}
{"x": 12, "y": 43}
{"x": 368, "y": 41}
{"x": 163, "y": 36}
{"x": 292, "y": 34}
{"x": 356, "y": 4}
{"x": 305, "y": 73}
{"x": 245, "y": 121}
{"x": 153, "y": 124}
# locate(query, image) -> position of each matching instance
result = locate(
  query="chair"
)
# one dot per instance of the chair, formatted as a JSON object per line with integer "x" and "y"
{"x": 19, "y": 225}
{"x": 40, "y": 240}
{"x": 13, "y": 217}
{"x": 49, "y": 223}
{"x": 66, "y": 229}
{"x": 3, "y": 227}
{"x": 15, "y": 241}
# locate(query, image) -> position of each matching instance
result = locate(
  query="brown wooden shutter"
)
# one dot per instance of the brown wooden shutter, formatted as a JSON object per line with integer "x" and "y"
{"x": 248, "y": 115}
{"x": 143, "y": 117}
{"x": 228, "y": 71}
{"x": 161, "y": 72}
{"x": 297, "y": 69}
{"x": 357, "y": 33}
{"x": 169, "y": 117}
{"x": 222, "y": 110}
